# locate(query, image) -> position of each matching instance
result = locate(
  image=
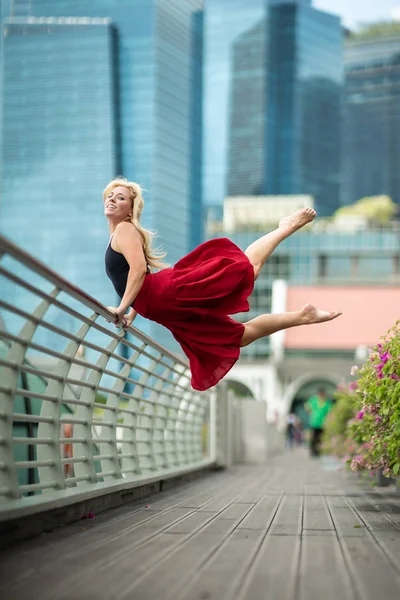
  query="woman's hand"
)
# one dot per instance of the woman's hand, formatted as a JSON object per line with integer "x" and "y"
{"x": 120, "y": 314}
{"x": 130, "y": 317}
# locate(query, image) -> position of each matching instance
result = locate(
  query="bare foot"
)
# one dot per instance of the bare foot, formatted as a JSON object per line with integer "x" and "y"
{"x": 310, "y": 314}
{"x": 298, "y": 219}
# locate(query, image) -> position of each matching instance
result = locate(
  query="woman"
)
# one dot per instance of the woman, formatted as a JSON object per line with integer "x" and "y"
{"x": 194, "y": 298}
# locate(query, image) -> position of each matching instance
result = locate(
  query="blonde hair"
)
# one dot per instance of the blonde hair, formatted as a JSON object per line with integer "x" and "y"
{"x": 153, "y": 257}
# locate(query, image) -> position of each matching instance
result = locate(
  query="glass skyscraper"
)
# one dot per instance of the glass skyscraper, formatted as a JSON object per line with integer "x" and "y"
{"x": 224, "y": 22}
{"x": 371, "y": 120}
{"x": 119, "y": 83}
{"x": 274, "y": 102}
{"x": 59, "y": 144}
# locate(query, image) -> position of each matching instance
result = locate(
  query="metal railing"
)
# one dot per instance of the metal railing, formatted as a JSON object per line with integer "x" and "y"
{"x": 85, "y": 409}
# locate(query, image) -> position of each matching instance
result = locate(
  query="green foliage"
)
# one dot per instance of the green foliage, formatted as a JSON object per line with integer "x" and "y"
{"x": 335, "y": 440}
{"x": 380, "y": 209}
{"x": 376, "y": 427}
{"x": 376, "y": 30}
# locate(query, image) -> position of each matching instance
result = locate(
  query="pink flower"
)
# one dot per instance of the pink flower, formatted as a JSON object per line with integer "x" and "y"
{"x": 378, "y": 419}
{"x": 353, "y": 370}
{"x": 360, "y": 415}
{"x": 353, "y": 385}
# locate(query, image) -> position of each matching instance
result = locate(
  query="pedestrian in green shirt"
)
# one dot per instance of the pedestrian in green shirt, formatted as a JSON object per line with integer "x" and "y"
{"x": 318, "y": 407}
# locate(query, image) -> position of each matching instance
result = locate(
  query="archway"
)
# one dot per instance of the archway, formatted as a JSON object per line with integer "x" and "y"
{"x": 300, "y": 390}
{"x": 240, "y": 389}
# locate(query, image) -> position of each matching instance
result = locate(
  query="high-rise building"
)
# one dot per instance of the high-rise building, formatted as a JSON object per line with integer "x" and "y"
{"x": 272, "y": 102}
{"x": 127, "y": 101}
{"x": 224, "y": 22}
{"x": 59, "y": 143}
{"x": 284, "y": 134}
{"x": 371, "y": 114}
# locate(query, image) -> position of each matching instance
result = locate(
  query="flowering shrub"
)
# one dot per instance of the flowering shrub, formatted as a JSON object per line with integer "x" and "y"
{"x": 335, "y": 439}
{"x": 375, "y": 430}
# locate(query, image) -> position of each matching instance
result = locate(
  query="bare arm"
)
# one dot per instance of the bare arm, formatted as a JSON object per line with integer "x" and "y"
{"x": 127, "y": 241}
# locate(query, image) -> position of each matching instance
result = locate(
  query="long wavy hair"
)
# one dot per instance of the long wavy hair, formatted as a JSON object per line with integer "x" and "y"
{"x": 153, "y": 256}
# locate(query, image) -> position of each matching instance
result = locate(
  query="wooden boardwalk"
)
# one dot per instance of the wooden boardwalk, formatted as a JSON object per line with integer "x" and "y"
{"x": 295, "y": 529}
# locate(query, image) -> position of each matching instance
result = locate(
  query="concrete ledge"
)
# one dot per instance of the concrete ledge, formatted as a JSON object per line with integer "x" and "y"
{"x": 25, "y": 526}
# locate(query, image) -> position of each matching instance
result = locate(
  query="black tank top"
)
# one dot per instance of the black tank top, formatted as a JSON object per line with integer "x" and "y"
{"x": 117, "y": 269}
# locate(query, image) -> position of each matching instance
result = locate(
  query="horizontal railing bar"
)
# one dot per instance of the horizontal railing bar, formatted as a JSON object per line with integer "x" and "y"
{"x": 65, "y": 419}
{"x": 73, "y": 440}
{"x": 32, "y": 487}
{"x": 72, "y": 480}
{"x": 103, "y": 457}
{"x": 32, "y": 418}
{"x": 28, "y": 393}
{"x": 80, "y": 383}
{"x": 106, "y": 474}
{"x": 131, "y": 470}
{"x": 71, "y": 461}
{"x": 32, "y": 464}
{"x": 63, "y": 285}
{"x": 33, "y": 441}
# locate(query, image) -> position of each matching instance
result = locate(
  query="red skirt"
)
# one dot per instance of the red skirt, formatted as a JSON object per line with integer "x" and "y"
{"x": 193, "y": 300}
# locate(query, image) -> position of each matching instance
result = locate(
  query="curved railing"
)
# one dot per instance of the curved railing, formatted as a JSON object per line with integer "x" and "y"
{"x": 85, "y": 409}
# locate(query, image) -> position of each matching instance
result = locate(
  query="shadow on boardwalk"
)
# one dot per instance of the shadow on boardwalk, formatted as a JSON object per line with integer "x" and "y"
{"x": 295, "y": 529}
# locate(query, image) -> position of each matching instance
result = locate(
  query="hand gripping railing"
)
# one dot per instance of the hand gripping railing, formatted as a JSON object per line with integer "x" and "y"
{"x": 85, "y": 409}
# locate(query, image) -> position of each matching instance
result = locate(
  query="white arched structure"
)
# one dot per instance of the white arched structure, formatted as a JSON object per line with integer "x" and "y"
{"x": 276, "y": 383}
{"x": 298, "y": 383}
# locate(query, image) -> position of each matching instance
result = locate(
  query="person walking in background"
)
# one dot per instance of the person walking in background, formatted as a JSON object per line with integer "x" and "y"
{"x": 318, "y": 408}
{"x": 291, "y": 421}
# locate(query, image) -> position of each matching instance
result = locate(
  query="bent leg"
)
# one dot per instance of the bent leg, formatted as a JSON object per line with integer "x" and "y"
{"x": 267, "y": 324}
{"x": 261, "y": 249}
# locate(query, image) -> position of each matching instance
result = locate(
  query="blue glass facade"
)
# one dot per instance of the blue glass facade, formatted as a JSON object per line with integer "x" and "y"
{"x": 273, "y": 95}
{"x": 224, "y": 22}
{"x": 58, "y": 143}
{"x": 248, "y": 116}
{"x": 303, "y": 104}
{"x": 148, "y": 128}
{"x": 371, "y": 120}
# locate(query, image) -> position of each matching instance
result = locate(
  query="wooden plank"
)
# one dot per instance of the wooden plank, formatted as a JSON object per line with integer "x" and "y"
{"x": 220, "y": 577}
{"x": 347, "y": 522}
{"x": 289, "y": 516}
{"x": 374, "y": 575}
{"x": 273, "y": 573}
{"x": 261, "y": 514}
{"x": 322, "y": 570}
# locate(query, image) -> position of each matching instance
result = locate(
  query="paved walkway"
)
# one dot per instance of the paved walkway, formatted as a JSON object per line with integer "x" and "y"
{"x": 296, "y": 529}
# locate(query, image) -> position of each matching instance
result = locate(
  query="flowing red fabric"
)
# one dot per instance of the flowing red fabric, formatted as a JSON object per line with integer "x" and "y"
{"x": 193, "y": 300}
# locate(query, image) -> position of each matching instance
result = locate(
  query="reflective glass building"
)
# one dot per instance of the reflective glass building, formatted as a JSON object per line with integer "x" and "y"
{"x": 224, "y": 22}
{"x": 59, "y": 143}
{"x": 371, "y": 120}
{"x": 273, "y": 76}
{"x": 120, "y": 86}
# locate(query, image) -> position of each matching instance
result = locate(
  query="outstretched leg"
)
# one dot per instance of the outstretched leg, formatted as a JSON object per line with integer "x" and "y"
{"x": 267, "y": 324}
{"x": 261, "y": 249}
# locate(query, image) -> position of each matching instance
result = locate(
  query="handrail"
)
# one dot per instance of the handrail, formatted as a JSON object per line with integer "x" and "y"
{"x": 78, "y": 420}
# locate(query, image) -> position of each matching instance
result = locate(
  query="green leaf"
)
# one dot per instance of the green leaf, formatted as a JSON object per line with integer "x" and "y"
{"x": 396, "y": 468}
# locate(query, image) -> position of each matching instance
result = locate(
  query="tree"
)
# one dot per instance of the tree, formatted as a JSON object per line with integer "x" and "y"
{"x": 374, "y": 208}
